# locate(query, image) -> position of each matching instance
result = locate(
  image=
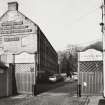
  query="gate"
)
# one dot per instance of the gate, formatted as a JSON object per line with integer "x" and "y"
{"x": 90, "y": 68}
{"x": 3, "y": 83}
{"x": 91, "y": 78}
{"x": 25, "y": 76}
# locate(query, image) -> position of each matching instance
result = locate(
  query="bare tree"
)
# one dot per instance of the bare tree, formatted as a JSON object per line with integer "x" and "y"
{"x": 68, "y": 59}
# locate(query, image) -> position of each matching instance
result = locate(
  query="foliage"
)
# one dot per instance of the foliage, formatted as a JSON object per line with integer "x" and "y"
{"x": 68, "y": 59}
{"x": 97, "y": 45}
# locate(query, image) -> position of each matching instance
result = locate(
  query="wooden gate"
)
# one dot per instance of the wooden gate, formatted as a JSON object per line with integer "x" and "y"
{"x": 91, "y": 78}
{"x": 25, "y": 77}
{"x": 3, "y": 83}
{"x": 90, "y": 68}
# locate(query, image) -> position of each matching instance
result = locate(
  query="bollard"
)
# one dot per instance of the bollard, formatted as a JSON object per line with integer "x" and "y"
{"x": 79, "y": 90}
{"x": 35, "y": 90}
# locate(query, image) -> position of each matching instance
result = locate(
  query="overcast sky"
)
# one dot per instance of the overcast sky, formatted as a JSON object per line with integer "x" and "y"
{"x": 63, "y": 21}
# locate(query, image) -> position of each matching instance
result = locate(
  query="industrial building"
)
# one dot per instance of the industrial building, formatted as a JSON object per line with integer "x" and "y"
{"x": 25, "y": 51}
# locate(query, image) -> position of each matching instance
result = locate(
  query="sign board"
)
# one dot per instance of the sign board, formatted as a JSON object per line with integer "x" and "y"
{"x": 90, "y": 55}
{"x": 17, "y": 43}
{"x": 18, "y": 35}
{"x": 24, "y": 58}
{"x": 11, "y": 27}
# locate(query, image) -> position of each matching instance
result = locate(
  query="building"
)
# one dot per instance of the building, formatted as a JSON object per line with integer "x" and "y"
{"x": 25, "y": 50}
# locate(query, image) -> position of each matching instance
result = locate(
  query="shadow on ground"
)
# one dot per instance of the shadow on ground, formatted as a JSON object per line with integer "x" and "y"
{"x": 44, "y": 87}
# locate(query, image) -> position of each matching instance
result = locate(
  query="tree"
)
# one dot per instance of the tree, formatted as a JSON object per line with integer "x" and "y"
{"x": 68, "y": 59}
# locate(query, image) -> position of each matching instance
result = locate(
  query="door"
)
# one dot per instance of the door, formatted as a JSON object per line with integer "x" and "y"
{"x": 25, "y": 77}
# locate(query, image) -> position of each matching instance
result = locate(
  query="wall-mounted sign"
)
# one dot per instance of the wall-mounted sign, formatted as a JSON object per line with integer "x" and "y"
{"x": 13, "y": 27}
{"x": 19, "y": 43}
{"x": 10, "y": 23}
{"x": 90, "y": 55}
{"x": 15, "y": 31}
{"x": 18, "y": 34}
{"x": 24, "y": 58}
{"x": 11, "y": 39}
{"x": 10, "y": 27}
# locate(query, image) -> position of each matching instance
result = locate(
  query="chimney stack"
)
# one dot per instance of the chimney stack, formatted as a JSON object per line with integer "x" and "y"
{"x": 13, "y": 6}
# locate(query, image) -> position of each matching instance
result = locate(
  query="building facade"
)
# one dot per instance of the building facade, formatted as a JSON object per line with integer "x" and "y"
{"x": 24, "y": 46}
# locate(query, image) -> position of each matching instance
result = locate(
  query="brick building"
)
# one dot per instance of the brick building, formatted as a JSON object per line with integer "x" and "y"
{"x": 25, "y": 49}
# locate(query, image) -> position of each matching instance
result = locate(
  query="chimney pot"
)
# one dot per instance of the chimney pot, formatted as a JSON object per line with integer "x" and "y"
{"x": 13, "y": 6}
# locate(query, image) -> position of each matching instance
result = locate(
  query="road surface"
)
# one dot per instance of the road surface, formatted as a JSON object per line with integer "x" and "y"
{"x": 62, "y": 94}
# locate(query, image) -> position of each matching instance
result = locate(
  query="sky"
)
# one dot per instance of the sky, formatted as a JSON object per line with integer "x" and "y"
{"x": 63, "y": 22}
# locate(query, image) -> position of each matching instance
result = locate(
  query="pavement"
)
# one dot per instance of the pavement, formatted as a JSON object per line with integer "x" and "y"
{"x": 94, "y": 100}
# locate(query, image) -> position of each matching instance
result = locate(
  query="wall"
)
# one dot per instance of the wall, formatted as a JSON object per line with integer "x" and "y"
{"x": 48, "y": 56}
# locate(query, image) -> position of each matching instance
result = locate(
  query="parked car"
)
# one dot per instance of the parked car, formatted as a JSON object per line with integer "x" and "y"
{"x": 52, "y": 78}
{"x": 75, "y": 76}
{"x": 55, "y": 78}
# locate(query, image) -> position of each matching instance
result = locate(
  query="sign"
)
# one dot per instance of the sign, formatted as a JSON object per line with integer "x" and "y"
{"x": 18, "y": 34}
{"x": 15, "y": 31}
{"x": 10, "y": 27}
{"x": 11, "y": 39}
{"x": 19, "y": 43}
{"x": 24, "y": 58}
{"x": 90, "y": 55}
{"x": 13, "y": 27}
{"x": 10, "y": 23}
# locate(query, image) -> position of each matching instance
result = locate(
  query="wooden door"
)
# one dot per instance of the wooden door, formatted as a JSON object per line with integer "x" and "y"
{"x": 25, "y": 76}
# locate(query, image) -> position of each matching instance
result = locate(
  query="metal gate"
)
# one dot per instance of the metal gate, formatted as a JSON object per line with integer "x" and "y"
{"x": 25, "y": 76}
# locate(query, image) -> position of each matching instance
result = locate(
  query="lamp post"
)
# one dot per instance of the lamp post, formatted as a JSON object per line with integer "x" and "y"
{"x": 103, "y": 41}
